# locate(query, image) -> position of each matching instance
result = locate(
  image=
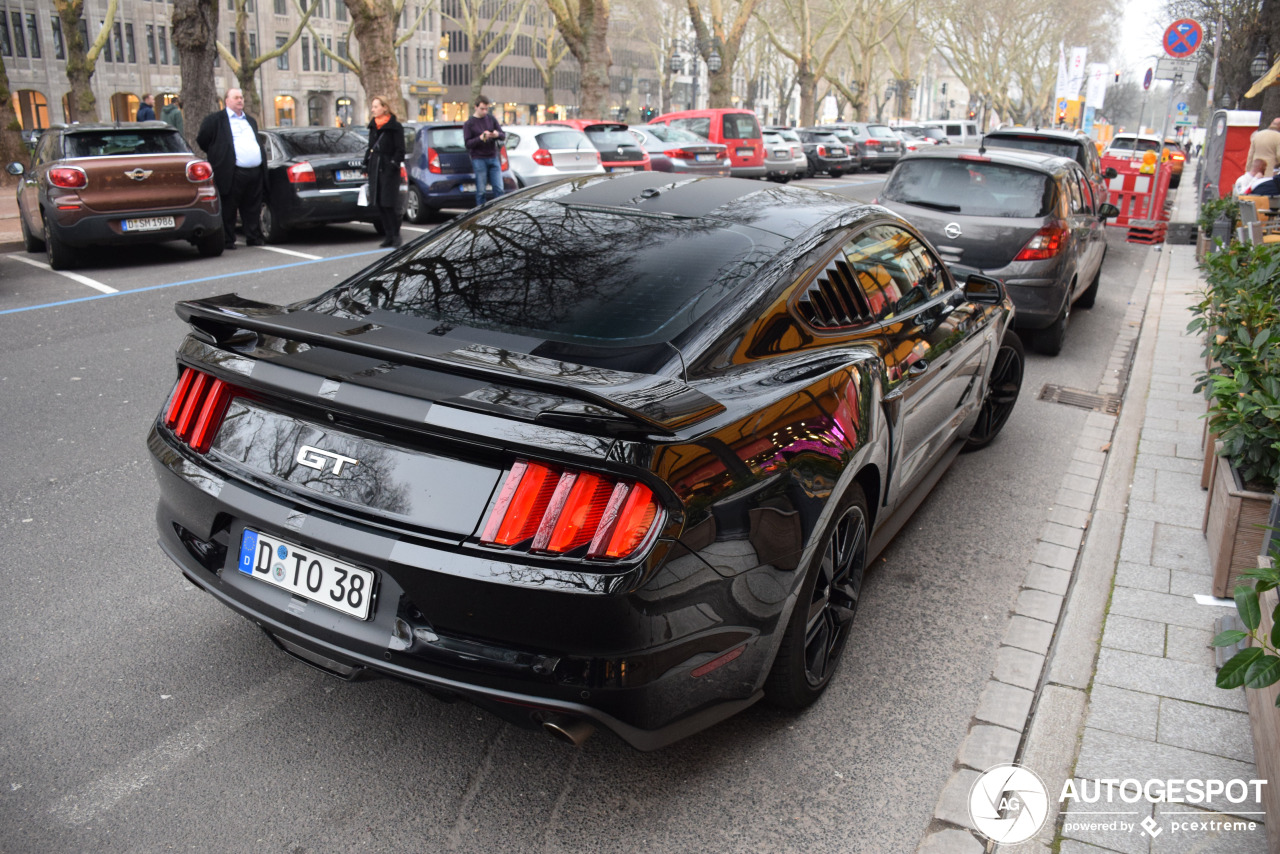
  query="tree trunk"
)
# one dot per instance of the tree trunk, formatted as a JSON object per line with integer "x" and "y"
{"x": 808, "y": 83}
{"x": 374, "y": 25}
{"x": 195, "y": 31}
{"x": 11, "y": 146}
{"x": 585, "y": 31}
{"x": 82, "y": 103}
{"x": 1271, "y": 95}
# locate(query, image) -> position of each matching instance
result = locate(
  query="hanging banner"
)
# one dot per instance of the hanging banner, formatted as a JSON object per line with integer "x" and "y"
{"x": 1076, "y": 71}
{"x": 1060, "y": 89}
{"x": 1097, "y": 85}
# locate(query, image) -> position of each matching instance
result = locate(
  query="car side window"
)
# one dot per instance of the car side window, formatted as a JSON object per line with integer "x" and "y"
{"x": 700, "y": 126}
{"x": 513, "y": 140}
{"x": 1086, "y": 194}
{"x": 895, "y": 271}
{"x": 46, "y": 150}
{"x": 1076, "y": 202}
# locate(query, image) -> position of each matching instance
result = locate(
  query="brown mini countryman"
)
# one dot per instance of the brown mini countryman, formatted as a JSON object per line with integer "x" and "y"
{"x": 115, "y": 184}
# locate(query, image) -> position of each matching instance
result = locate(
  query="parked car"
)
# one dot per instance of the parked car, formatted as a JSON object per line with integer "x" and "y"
{"x": 1028, "y": 219}
{"x": 1134, "y": 146}
{"x": 915, "y": 137}
{"x": 878, "y": 147}
{"x": 539, "y": 154}
{"x": 1064, "y": 143}
{"x": 826, "y": 152}
{"x": 624, "y": 454}
{"x": 846, "y": 136}
{"x": 314, "y": 176}
{"x": 779, "y": 157}
{"x": 958, "y": 132}
{"x": 799, "y": 161}
{"x": 736, "y": 129}
{"x": 619, "y": 151}
{"x": 673, "y": 149}
{"x": 440, "y": 172}
{"x": 75, "y": 194}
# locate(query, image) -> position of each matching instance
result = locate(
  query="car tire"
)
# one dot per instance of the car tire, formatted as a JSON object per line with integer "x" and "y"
{"x": 1002, "y": 392}
{"x": 1049, "y": 340}
{"x": 415, "y": 209}
{"x": 211, "y": 244}
{"x": 809, "y": 171}
{"x": 1090, "y": 295}
{"x": 836, "y": 173}
{"x": 272, "y": 230}
{"x": 29, "y": 241}
{"x": 1174, "y": 182}
{"x": 815, "y": 636}
{"x": 57, "y": 252}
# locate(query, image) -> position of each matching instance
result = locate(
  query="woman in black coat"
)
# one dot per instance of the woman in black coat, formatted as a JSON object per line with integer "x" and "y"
{"x": 382, "y": 161}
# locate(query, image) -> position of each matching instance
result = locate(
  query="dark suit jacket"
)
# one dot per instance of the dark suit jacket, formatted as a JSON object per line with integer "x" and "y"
{"x": 214, "y": 138}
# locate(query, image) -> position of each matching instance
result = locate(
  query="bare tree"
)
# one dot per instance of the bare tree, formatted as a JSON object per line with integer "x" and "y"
{"x": 82, "y": 59}
{"x": 815, "y": 44}
{"x": 373, "y": 24}
{"x": 490, "y": 27}
{"x": 195, "y": 30}
{"x": 715, "y": 33}
{"x": 584, "y": 26}
{"x": 549, "y": 50}
{"x": 244, "y": 64}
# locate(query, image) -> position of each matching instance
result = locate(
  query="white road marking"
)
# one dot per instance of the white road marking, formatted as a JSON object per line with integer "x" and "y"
{"x": 143, "y": 769}
{"x": 290, "y": 252}
{"x": 75, "y": 277}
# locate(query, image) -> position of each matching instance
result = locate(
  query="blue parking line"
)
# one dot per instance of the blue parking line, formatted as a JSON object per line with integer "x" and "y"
{"x": 191, "y": 281}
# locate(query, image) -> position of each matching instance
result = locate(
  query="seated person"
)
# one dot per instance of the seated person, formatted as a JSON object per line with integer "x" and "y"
{"x": 1269, "y": 187}
{"x": 1246, "y": 183}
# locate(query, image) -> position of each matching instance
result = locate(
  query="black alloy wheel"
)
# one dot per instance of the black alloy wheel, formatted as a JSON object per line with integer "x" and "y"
{"x": 57, "y": 253}
{"x": 1002, "y": 392}
{"x": 269, "y": 222}
{"x": 819, "y": 626}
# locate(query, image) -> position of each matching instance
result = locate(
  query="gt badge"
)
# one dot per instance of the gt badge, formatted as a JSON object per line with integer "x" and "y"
{"x": 314, "y": 458}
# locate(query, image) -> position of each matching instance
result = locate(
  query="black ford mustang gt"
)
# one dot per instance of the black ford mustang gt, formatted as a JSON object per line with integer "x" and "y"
{"x": 611, "y": 451}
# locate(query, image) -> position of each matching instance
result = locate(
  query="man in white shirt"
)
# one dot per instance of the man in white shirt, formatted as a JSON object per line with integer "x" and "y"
{"x": 1256, "y": 175}
{"x": 230, "y": 141}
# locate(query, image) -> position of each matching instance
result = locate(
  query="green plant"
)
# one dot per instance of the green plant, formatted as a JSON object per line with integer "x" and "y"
{"x": 1255, "y": 666}
{"x": 1239, "y": 315}
{"x": 1213, "y": 209}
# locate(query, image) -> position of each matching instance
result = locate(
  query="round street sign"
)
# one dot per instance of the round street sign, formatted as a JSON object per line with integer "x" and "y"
{"x": 1182, "y": 106}
{"x": 1146, "y": 80}
{"x": 1182, "y": 38}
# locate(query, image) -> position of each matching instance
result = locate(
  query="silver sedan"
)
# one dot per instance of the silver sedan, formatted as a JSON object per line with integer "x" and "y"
{"x": 543, "y": 153}
{"x": 673, "y": 149}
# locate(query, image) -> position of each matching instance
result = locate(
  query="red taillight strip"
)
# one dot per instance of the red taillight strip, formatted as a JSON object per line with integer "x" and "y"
{"x": 179, "y": 395}
{"x": 560, "y": 511}
{"x": 215, "y": 405}
{"x": 196, "y": 410}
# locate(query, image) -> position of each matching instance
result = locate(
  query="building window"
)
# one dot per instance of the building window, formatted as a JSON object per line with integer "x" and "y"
{"x": 32, "y": 109}
{"x": 342, "y": 48}
{"x": 164, "y": 52}
{"x": 285, "y": 106}
{"x": 281, "y": 7}
{"x": 129, "y": 48}
{"x": 19, "y": 42}
{"x": 106, "y": 54}
{"x": 234, "y": 45}
{"x": 315, "y": 110}
{"x": 346, "y": 110}
{"x": 253, "y": 45}
{"x": 33, "y": 35}
{"x": 6, "y": 46}
{"x": 340, "y": 10}
{"x": 118, "y": 38}
{"x": 173, "y": 41}
{"x": 151, "y": 43}
{"x": 306, "y": 53}
{"x": 282, "y": 61}
{"x": 59, "y": 48}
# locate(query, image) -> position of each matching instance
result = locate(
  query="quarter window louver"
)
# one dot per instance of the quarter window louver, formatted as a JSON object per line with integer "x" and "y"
{"x": 833, "y": 301}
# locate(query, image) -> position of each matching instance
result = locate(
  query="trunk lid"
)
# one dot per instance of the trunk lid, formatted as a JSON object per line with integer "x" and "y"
{"x": 140, "y": 182}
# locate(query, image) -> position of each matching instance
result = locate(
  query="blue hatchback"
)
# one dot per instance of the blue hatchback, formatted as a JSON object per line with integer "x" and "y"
{"x": 440, "y": 174}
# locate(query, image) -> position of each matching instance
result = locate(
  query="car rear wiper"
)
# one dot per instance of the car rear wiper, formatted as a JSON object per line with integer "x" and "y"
{"x": 937, "y": 206}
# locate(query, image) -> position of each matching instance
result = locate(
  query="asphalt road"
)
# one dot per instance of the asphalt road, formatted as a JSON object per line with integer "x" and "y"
{"x": 141, "y": 715}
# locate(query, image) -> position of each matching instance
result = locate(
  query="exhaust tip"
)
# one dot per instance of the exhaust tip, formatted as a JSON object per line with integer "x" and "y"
{"x": 570, "y": 730}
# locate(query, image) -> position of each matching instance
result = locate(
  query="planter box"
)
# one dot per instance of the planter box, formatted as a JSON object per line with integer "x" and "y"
{"x": 1210, "y": 457}
{"x": 1235, "y": 522}
{"x": 1264, "y": 725}
{"x": 1202, "y": 245}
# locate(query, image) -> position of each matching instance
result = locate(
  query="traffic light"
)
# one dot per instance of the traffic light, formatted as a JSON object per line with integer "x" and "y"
{"x": 1117, "y": 76}
{"x": 1062, "y": 115}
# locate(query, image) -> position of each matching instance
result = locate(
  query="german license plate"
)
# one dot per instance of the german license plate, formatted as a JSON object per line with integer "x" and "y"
{"x": 705, "y": 158}
{"x": 468, "y": 188}
{"x": 622, "y": 168}
{"x": 154, "y": 223}
{"x": 305, "y": 573}
{"x": 350, "y": 175}
{"x": 746, "y": 152}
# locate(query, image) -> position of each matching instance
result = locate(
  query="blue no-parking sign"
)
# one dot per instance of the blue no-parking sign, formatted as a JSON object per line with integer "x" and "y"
{"x": 1182, "y": 38}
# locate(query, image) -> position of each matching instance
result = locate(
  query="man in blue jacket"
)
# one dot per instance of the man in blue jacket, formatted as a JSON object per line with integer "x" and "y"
{"x": 482, "y": 135}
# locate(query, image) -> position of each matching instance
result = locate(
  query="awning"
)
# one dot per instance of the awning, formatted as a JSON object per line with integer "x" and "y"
{"x": 1268, "y": 79}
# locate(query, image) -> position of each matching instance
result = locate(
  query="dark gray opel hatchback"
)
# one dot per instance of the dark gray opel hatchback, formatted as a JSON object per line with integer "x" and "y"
{"x": 1029, "y": 219}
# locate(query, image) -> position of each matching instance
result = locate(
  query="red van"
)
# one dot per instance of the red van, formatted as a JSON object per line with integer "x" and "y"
{"x": 738, "y": 130}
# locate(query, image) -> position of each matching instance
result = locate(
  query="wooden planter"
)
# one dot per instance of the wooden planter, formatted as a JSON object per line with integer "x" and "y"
{"x": 1235, "y": 522}
{"x": 1264, "y": 725}
{"x": 1210, "y": 457}
{"x": 1202, "y": 244}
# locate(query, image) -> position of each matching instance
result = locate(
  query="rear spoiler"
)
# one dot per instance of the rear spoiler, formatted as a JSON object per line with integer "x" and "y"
{"x": 663, "y": 404}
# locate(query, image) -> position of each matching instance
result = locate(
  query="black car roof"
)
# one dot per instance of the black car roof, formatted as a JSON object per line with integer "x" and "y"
{"x": 1006, "y": 156}
{"x": 1047, "y": 133}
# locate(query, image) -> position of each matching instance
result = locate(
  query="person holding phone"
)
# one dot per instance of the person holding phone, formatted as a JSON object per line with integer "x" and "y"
{"x": 482, "y": 135}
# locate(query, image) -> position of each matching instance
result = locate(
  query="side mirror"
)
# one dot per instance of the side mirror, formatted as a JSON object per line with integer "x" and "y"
{"x": 1110, "y": 173}
{"x": 14, "y": 169}
{"x": 1106, "y": 210}
{"x": 983, "y": 290}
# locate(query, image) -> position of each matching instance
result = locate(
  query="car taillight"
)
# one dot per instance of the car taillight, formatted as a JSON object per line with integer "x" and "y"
{"x": 199, "y": 170}
{"x": 874, "y": 142}
{"x": 404, "y": 175}
{"x": 195, "y": 411}
{"x": 301, "y": 173}
{"x": 68, "y": 177}
{"x": 679, "y": 154}
{"x": 433, "y": 161}
{"x": 560, "y": 510}
{"x": 1179, "y": 157}
{"x": 1046, "y": 243}
{"x": 542, "y": 157}
{"x": 502, "y": 159}
{"x": 822, "y": 151}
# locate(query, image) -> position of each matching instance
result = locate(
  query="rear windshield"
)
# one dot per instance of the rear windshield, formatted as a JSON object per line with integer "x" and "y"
{"x": 610, "y": 136}
{"x": 447, "y": 140}
{"x": 674, "y": 134}
{"x": 824, "y": 136}
{"x": 971, "y": 187}
{"x": 1129, "y": 144}
{"x": 881, "y": 132}
{"x": 570, "y": 275}
{"x": 741, "y": 126}
{"x": 560, "y": 139}
{"x": 322, "y": 141}
{"x": 109, "y": 142}
{"x": 1034, "y": 143}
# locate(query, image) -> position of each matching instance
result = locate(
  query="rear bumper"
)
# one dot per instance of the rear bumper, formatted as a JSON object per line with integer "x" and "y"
{"x": 1037, "y": 288}
{"x": 459, "y": 625}
{"x": 320, "y": 206}
{"x": 748, "y": 171}
{"x": 105, "y": 229}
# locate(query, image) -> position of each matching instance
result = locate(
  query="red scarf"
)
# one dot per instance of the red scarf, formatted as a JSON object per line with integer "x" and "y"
{"x": 382, "y": 120}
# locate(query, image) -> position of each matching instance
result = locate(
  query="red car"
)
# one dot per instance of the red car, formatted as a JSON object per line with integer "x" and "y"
{"x": 619, "y": 150}
{"x": 737, "y": 130}
{"x": 115, "y": 185}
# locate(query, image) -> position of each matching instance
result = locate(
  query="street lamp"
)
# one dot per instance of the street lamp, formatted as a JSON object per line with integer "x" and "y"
{"x": 443, "y": 52}
{"x": 1260, "y": 64}
{"x": 713, "y": 61}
